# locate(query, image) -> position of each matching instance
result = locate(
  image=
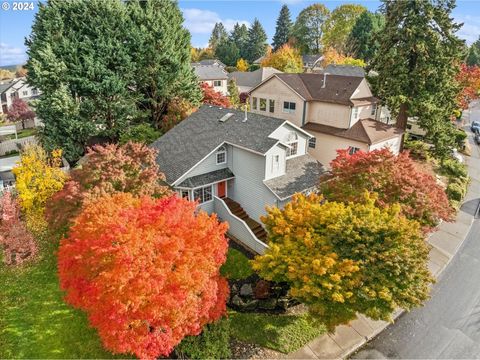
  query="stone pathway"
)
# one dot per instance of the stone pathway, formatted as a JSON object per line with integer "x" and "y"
{"x": 445, "y": 243}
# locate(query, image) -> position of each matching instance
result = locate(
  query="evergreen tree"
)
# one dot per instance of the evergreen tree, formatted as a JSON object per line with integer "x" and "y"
{"x": 233, "y": 94}
{"x": 283, "y": 28}
{"x": 340, "y": 24}
{"x": 257, "y": 38}
{"x": 363, "y": 42}
{"x": 416, "y": 66}
{"x": 473, "y": 56}
{"x": 239, "y": 36}
{"x": 219, "y": 34}
{"x": 227, "y": 52}
{"x": 309, "y": 27}
{"x": 109, "y": 64}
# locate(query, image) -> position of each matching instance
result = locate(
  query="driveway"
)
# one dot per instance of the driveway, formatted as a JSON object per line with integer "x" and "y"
{"x": 448, "y": 326}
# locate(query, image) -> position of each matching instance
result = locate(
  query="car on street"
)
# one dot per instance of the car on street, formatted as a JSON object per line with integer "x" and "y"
{"x": 475, "y": 126}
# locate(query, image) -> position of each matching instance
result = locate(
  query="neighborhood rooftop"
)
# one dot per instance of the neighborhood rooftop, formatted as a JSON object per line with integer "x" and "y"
{"x": 251, "y": 79}
{"x": 178, "y": 153}
{"x": 338, "y": 89}
{"x": 344, "y": 70}
{"x": 209, "y": 72}
{"x": 368, "y": 131}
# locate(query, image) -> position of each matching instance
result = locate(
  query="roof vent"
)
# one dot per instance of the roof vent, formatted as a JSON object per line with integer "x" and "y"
{"x": 324, "y": 80}
{"x": 225, "y": 117}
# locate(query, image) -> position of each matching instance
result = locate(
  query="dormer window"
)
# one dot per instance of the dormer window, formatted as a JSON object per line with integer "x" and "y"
{"x": 221, "y": 155}
{"x": 292, "y": 143}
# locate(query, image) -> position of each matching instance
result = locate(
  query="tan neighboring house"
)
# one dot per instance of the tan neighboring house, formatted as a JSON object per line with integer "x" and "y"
{"x": 247, "y": 80}
{"x": 339, "y": 111}
{"x": 213, "y": 73}
{"x": 15, "y": 88}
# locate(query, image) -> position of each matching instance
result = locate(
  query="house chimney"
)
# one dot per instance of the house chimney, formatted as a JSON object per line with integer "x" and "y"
{"x": 324, "y": 80}
{"x": 245, "y": 117}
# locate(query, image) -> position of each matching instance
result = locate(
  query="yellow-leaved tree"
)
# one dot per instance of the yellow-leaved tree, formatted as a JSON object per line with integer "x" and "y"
{"x": 242, "y": 65}
{"x": 343, "y": 259}
{"x": 332, "y": 56}
{"x": 286, "y": 59}
{"x": 38, "y": 177}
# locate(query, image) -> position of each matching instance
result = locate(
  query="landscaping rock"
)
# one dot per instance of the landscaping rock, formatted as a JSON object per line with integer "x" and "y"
{"x": 237, "y": 301}
{"x": 250, "y": 305}
{"x": 246, "y": 290}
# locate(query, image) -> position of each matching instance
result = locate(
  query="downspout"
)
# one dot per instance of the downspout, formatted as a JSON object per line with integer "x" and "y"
{"x": 350, "y": 119}
{"x": 304, "y": 112}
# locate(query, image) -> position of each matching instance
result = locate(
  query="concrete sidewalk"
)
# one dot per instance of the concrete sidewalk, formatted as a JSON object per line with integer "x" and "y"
{"x": 445, "y": 243}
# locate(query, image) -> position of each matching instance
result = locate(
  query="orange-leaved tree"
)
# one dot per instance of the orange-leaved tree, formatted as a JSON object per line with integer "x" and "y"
{"x": 395, "y": 178}
{"x": 212, "y": 97}
{"x": 469, "y": 80}
{"x": 286, "y": 59}
{"x": 146, "y": 271}
{"x": 343, "y": 259}
{"x": 109, "y": 169}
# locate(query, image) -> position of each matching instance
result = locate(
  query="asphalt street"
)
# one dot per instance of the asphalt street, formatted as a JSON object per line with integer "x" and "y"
{"x": 448, "y": 325}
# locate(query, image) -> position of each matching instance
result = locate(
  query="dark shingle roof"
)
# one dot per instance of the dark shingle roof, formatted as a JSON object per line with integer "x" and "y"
{"x": 302, "y": 173}
{"x": 367, "y": 131}
{"x": 208, "y": 178}
{"x": 252, "y": 79}
{"x": 210, "y": 62}
{"x": 209, "y": 72}
{"x": 345, "y": 70}
{"x": 7, "y": 84}
{"x": 202, "y": 132}
{"x": 311, "y": 60}
{"x": 338, "y": 89}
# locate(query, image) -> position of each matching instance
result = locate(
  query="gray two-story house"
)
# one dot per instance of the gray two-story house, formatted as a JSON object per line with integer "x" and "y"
{"x": 235, "y": 164}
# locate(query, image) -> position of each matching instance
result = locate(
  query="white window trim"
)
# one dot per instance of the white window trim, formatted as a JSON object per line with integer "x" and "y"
{"x": 203, "y": 187}
{"x": 350, "y": 148}
{"x": 314, "y": 142}
{"x": 221, "y": 150}
{"x": 292, "y": 139}
{"x": 289, "y": 111}
{"x": 217, "y": 81}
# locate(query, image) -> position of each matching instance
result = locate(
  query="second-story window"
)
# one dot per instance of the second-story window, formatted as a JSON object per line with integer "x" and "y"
{"x": 254, "y": 103}
{"x": 263, "y": 104}
{"x": 355, "y": 112}
{"x": 272, "y": 106}
{"x": 374, "y": 109}
{"x": 312, "y": 142}
{"x": 25, "y": 93}
{"x": 289, "y": 107}
{"x": 352, "y": 150}
{"x": 275, "y": 163}
{"x": 217, "y": 83}
{"x": 34, "y": 91}
{"x": 292, "y": 144}
{"x": 222, "y": 155}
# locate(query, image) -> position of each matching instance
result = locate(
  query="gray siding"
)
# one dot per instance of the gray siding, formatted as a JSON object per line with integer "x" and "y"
{"x": 250, "y": 192}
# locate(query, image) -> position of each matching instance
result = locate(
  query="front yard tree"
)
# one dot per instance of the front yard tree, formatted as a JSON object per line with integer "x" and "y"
{"x": 233, "y": 94}
{"x": 340, "y": 24}
{"x": 212, "y": 97}
{"x": 283, "y": 28}
{"x": 343, "y": 259}
{"x": 395, "y": 179}
{"x": 257, "y": 41}
{"x": 417, "y": 63}
{"x": 309, "y": 27}
{"x": 146, "y": 271}
{"x": 20, "y": 111}
{"x": 469, "y": 80}
{"x": 109, "y": 169}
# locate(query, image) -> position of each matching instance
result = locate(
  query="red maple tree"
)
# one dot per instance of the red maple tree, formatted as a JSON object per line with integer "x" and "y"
{"x": 18, "y": 243}
{"x": 108, "y": 169}
{"x": 469, "y": 79}
{"x": 212, "y": 97}
{"x": 395, "y": 178}
{"x": 145, "y": 270}
{"x": 20, "y": 111}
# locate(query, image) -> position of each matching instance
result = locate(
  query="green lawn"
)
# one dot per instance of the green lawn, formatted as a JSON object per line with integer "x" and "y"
{"x": 34, "y": 320}
{"x": 237, "y": 265}
{"x": 24, "y": 133}
{"x": 283, "y": 333}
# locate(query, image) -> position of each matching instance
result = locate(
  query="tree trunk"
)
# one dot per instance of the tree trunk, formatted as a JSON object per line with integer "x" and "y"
{"x": 402, "y": 122}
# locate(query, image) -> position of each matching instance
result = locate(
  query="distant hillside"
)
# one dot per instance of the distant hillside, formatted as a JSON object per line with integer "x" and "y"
{"x": 12, "y": 68}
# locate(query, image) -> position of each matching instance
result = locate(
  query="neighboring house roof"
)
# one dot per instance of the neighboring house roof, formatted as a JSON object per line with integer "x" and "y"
{"x": 311, "y": 60}
{"x": 208, "y": 178}
{"x": 210, "y": 72}
{"x": 367, "y": 131}
{"x": 345, "y": 70}
{"x": 201, "y": 133}
{"x": 210, "y": 62}
{"x": 338, "y": 89}
{"x": 252, "y": 79}
{"x": 7, "y": 84}
{"x": 259, "y": 60}
{"x": 365, "y": 101}
{"x": 302, "y": 173}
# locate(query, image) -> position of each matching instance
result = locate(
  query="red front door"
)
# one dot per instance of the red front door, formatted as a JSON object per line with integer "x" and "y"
{"x": 221, "y": 190}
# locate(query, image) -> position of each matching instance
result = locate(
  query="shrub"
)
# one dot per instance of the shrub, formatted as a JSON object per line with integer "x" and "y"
{"x": 453, "y": 168}
{"x": 419, "y": 150}
{"x": 142, "y": 133}
{"x": 146, "y": 271}
{"x": 455, "y": 191}
{"x": 212, "y": 343}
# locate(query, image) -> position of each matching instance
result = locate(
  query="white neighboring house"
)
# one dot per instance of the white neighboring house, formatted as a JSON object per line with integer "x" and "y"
{"x": 213, "y": 73}
{"x": 15, "y": 88}
{"x": 339, "y": 111}
{"x": 236, "y": 166}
